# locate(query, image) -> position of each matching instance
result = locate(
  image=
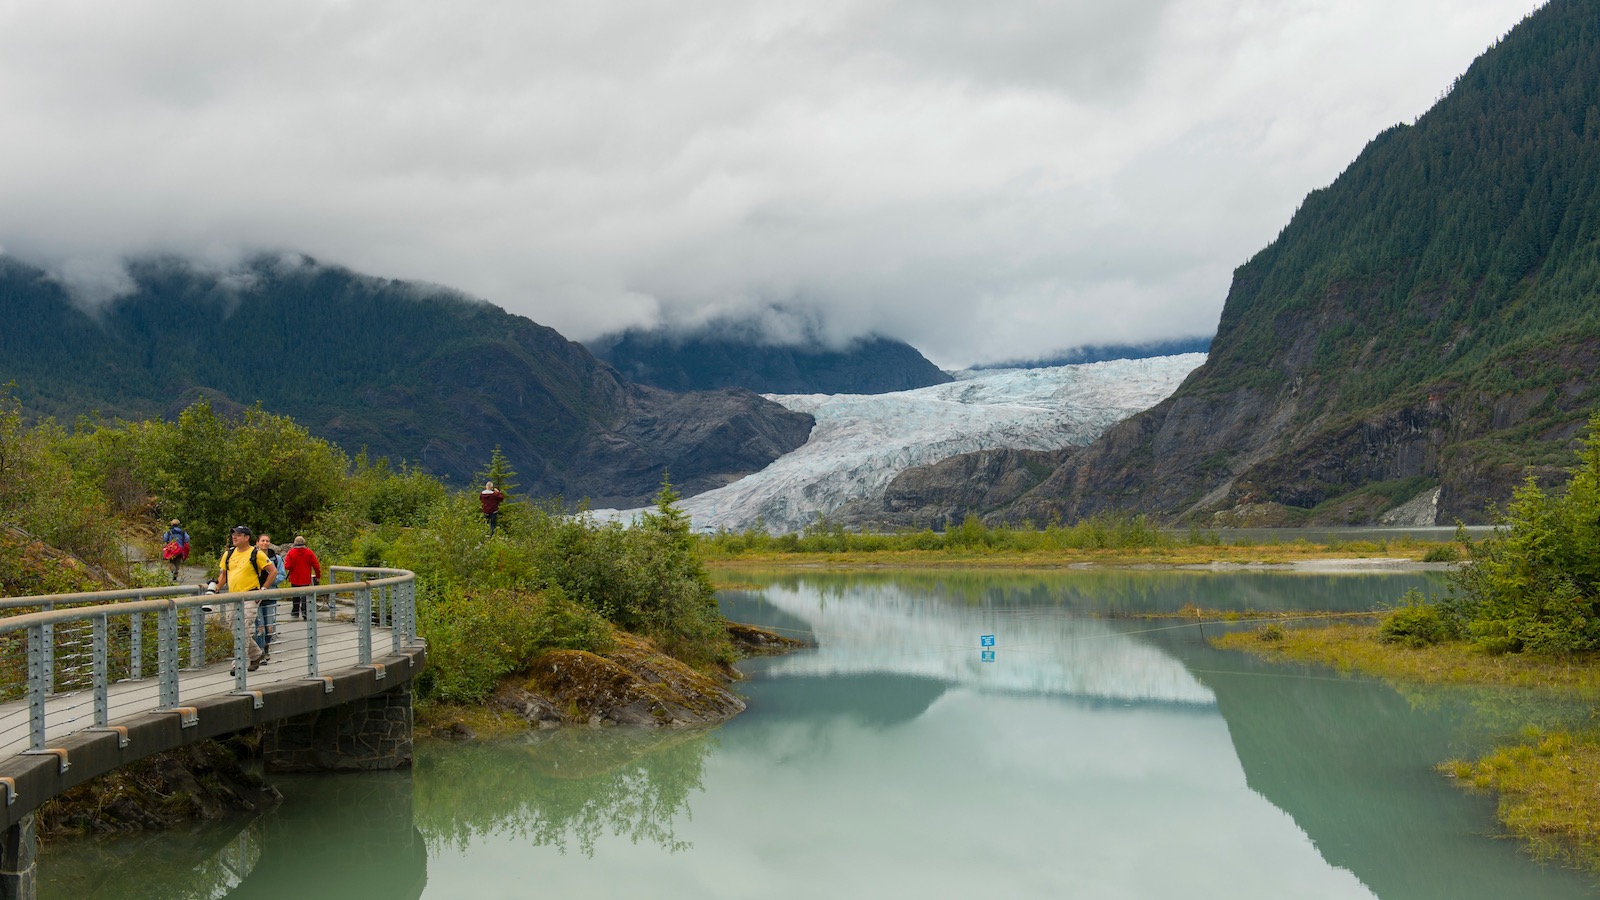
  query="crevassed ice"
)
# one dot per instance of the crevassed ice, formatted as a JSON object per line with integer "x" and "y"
{"x": 861, "y": 441}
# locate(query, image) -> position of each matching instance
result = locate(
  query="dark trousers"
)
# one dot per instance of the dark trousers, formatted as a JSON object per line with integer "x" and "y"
{"x": 492, "y": 517}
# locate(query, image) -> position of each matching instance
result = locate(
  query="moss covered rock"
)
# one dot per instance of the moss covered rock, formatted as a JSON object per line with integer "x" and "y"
{"x": 634, "y": 684}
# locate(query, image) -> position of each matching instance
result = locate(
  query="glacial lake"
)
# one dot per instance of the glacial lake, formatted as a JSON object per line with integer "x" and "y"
{"x": 1086, "y": 754}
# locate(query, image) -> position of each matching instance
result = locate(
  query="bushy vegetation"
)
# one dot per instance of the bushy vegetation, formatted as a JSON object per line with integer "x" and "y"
{"x": 487, "y": 606}
{"x": 1535, "y": 583}
{"x": 1103, "y": 531}
{"x": 1417, "y": 622}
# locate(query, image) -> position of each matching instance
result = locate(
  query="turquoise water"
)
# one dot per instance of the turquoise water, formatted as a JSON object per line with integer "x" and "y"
{"x": 1091, "y": 757}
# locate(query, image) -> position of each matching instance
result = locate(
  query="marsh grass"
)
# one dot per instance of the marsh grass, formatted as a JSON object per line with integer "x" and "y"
{"x": 1547, "y": 786}
{"x": 1358, "y": 647}
{"x": 1100, "y": 538}
{"x": 967, "y": 557}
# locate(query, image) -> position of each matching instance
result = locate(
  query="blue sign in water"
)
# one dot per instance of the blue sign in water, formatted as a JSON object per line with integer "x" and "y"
{"x": 986, "y": 640}
{"x": 987, "y": 656}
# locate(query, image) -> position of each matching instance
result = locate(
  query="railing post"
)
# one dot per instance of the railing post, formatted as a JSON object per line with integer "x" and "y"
{"x": 50, "y": 658}
{"x": 395, "y": 628}
{"x": 197, "y": 637}
{"x": 167, "y": 656}
{"x": 364, "y": 622}
{"x": 136, "y": 646}
{"x": 311, "y": 634}
{"x": 37, "y": 651}
{"x": 411, "y": 626}
{"x": 49, "y": 638}
{"x": 102, "y": 674}
{"x": 241, "y": 660}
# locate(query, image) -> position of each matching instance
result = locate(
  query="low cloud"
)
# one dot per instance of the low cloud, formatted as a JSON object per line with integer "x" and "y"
{"x": 985, "y": 184}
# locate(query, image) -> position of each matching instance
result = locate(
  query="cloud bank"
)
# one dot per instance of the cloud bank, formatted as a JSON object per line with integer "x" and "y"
{"x": 984, "y": 181}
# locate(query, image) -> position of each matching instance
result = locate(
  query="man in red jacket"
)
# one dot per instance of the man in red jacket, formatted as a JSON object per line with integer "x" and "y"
{"x": 304, "y": 569}
{"x": 489, "y": 499}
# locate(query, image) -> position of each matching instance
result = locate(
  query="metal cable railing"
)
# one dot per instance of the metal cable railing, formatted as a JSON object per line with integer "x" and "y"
{"x": 73, "y": 662}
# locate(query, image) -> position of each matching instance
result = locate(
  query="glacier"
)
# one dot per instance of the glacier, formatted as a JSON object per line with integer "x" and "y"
{"x": 861, "y": 441}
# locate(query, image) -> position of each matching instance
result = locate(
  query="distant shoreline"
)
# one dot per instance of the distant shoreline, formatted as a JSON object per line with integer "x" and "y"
{"x": 1267, "y": 560}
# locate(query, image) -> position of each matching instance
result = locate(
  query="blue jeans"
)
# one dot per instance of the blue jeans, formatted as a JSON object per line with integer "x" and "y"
{"x": 266, "y": 624}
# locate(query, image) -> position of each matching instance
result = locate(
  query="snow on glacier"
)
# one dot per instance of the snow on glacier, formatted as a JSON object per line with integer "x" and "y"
{"x": 861, "y": 441}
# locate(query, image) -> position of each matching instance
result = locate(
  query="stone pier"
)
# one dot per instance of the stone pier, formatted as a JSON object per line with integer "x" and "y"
{"x": 373, "y": 733}
{"x": 19, "y": 853}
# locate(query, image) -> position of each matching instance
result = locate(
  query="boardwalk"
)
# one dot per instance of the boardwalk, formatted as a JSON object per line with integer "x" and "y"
{"x": 71, "y": 712}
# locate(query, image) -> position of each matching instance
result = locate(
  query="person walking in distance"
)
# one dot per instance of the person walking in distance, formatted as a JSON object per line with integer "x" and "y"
{"x": 245, "y": 568}
{"x": 176, "y": 547}
{"x": 304, "y": 569}
{"x": 490, "y": 498}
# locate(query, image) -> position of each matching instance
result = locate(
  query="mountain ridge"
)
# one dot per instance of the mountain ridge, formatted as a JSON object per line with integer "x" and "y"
{"x": 403, "y": 370}
{"x": 1427, "y": 322}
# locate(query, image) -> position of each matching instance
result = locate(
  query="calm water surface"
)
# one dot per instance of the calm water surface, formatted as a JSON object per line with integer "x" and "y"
{"x": 1089, "y": 757}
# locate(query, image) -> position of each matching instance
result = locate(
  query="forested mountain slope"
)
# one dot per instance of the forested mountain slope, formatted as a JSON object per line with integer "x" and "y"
{"x": 722, "y": 357}
{"x": 408, "y": 371}
{"x": 1426, "y": 328}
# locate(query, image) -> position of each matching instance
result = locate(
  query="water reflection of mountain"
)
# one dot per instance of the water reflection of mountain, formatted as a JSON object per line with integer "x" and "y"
{"x": 561, "y": 788}
{"x": 1115, "y": 591}
{"x": 1351, "y": 760}
{"x": 883, "y": 628}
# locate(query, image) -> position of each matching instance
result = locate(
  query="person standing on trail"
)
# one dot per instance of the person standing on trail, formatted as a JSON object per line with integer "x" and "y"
{"x": 245, "y": 568}
{"x": 489, "y": 498}
{"x": 176, "y": 549}
{"x": 304, "y": 569}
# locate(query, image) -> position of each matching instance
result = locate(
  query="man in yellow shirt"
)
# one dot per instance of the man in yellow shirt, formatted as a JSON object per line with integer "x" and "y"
{"x": 244, "y": 568}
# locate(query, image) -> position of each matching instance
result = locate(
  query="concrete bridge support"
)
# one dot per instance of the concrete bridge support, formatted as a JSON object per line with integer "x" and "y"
{"x": 19, "y": 870}
{"x": 369, "y": 734}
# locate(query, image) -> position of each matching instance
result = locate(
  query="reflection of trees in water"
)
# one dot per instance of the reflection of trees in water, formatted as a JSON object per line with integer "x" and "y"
{"x": 561, "y": 788}
{"x": 207, "y": 866}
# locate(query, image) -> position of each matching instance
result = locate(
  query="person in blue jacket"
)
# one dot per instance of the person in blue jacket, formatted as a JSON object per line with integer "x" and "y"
{"x": 175, "y": 547}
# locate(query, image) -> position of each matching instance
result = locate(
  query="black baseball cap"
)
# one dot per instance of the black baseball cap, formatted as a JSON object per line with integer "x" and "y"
{"x": 241, "y": 529}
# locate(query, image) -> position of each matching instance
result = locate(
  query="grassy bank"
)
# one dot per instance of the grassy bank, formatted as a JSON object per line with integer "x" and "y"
{"x": 1175, "y": 554}
{"x": 1107, "y": 539}
{"x": 1547, "y": 780}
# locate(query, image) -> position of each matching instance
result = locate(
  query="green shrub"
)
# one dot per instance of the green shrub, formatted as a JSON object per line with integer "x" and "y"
{"x": 1445, "y": 553}
{"x": 1535, "y": 583}
{"x": 477, "y": 638}
{"x": 1416, "y": 623}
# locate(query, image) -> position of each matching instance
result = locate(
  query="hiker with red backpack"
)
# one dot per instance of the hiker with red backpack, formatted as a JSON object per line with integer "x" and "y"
{"x": 247, "y": 568}
{"x": 176, "y": 549}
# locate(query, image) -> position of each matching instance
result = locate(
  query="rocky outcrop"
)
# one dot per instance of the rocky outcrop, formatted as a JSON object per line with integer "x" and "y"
{"x": 753, "y": 641}
{"x": 634, "y": 684}
{"x": 946, "y": 492}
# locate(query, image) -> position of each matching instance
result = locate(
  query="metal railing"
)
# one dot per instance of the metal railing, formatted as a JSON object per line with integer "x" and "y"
{"x": 89, "y": 660}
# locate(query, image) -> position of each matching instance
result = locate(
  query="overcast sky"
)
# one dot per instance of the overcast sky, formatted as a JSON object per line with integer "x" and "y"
{"x": 984, "y": 180}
